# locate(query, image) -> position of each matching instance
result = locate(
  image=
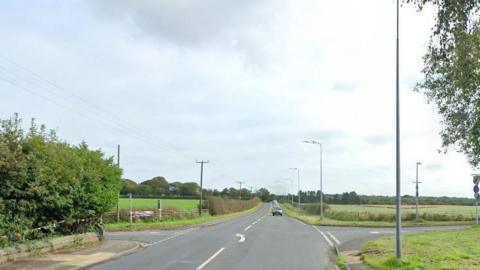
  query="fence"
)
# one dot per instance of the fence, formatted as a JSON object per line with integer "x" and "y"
{"x": 150, "y": 215}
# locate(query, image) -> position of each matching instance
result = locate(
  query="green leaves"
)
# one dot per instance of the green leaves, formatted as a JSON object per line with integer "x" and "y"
{"x": 45, "y": 180}
{"x": 452, "y": 73}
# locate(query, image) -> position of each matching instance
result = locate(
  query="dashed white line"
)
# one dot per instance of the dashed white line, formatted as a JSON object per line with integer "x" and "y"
{"x": 210, "y": 259}
{"x": 255, "y": 222}
{"x": 324, "y": 236}
{"x": 334, "y": 238}
{"x": 247, "y": 228}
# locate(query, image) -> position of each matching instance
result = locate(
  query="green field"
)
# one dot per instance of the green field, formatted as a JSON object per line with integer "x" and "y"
{"x": 140, "y": 203}
{"x": 390, "y": 209}
{"x": 458, "y": 249}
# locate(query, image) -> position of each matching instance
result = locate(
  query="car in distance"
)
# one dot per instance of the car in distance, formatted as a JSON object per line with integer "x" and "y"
{"x": 276, "y": 210}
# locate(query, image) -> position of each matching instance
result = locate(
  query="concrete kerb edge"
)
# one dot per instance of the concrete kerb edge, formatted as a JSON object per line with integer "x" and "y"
{"x": 338, "y": 254}
{"x": 123, "y": 253}
{"x": 23, "y": 251}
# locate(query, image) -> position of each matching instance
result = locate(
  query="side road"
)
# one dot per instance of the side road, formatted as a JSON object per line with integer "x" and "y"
{"x": 114, "y": 247}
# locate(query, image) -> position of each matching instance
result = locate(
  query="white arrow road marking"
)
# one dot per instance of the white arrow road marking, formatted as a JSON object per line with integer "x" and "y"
{"x": 210, "y": 259}
{"x": 324, "y": 236}
{"x": 334, "y": 238}
{"x": 242, "y": 238}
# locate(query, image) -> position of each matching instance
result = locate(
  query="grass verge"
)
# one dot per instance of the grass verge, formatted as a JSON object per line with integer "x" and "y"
{"x": 315, "y": 220}
{"x": 341, "y": 262}
{"x": 176, "y": 224}
{"x": 456, "y": 249}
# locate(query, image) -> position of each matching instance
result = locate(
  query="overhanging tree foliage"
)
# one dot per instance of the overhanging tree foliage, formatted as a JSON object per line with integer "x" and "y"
{"x": 452, "y": 73}
{"x": 44, "y": 180}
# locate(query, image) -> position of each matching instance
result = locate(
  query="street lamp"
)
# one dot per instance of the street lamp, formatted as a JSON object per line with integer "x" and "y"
{"x": 416, "y": 192}
{"x": 298, "y": 178}
{"x": 321, "y": 174}
{"x": 398, "y": 226}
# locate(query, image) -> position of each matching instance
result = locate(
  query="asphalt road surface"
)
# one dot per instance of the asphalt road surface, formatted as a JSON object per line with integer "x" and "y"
{"x": 256, "y": 241}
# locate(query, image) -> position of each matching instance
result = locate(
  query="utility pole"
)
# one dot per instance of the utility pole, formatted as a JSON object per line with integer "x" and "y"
{"x": 118, "y": 201}
{"x": 298, "y": 178}
{"x": 251, "y": 192}
{"x": 201, "y": 184}
{"x": 416, "y": 193}
{"x": 398, "y": 226}
{"x": 240, "y": 190}
{"x": 321, "y": 175}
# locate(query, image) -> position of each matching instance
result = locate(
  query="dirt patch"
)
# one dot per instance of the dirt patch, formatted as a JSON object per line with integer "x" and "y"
{"x": 352, "y": 256}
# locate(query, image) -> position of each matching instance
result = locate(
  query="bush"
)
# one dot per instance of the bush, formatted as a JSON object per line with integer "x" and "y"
{"x": 45, "y": 181}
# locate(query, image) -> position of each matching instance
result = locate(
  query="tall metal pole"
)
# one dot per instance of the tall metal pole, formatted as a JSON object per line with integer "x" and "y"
{"x": 201, "y": 185}
{"x": 416, "y": 193}
{"x": 398, "y": 226}
{"x": 118, "y": 201}
{"x": 291, "y": 182}
{"x": 321, "y": 175}
{"x": 298, "y": 177}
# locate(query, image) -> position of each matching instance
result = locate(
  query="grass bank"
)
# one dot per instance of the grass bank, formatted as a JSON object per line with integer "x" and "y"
{"x": 315, "y": 220}
{"x": 456, "y": 249}
{"x": 176, "y": 224}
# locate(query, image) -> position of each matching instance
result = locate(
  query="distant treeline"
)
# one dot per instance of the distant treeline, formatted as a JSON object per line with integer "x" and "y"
{"x": 354, "y": 198}
{"x": 160, "y": 187}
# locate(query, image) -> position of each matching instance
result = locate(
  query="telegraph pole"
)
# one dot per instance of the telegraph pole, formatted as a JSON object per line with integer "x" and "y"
{"x": 240, "y": 191}
{"x": 416, "y": 193}
{"x": 201, "y": 184}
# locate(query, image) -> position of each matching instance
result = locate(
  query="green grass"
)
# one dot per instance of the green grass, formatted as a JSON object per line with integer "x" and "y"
{"x": 315, "y": 220}
{"x": 456, "y": 249}
{"x": 390, "y": 209}
{"x": 138, "y": 203}
{"x": 341, "y": 262}
{"x": 175, "y": 224}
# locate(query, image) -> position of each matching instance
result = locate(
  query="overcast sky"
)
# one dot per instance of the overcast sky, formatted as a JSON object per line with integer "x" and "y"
{"x": 239, "y": 83}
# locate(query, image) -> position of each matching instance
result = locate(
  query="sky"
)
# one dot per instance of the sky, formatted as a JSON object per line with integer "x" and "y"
{"x": 238, "y": 83}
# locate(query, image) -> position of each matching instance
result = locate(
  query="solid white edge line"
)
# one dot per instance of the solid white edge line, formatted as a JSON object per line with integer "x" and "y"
{"x": 324, "y": 236}
{"x": 334, "y": 238}
{"x": 210, "y": 259}
{"x": 248, "y": 227}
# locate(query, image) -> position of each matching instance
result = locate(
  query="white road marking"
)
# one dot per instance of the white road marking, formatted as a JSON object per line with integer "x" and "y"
{"x": 248, "y": 227}
{"x": 168, "y": 238}
{"x": 324, "y": 236}
{"x": 334, "y": 238}
{"x": 336, "y": 267}
{"x": 242, "y": 238}
{"x": 374, "y": 232}
{"x": 210, "y": 259}
{"x": 255, "y": 222}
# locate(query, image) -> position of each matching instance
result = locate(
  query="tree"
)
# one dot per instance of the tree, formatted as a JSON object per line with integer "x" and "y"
{"x": 452, "y": 73}
{"x": 158, "y": 184}
{"x": 264, "y": 194}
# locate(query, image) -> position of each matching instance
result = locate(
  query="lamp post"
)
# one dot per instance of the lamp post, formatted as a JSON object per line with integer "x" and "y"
{"x": 416, "y": 192}
{"x": 321, "y": 174}
{"x": 398, "y": 225}
{"x": 298, "y": 178}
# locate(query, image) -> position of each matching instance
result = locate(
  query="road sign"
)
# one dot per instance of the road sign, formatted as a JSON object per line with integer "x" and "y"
{"x": 476, "y": 189}
{"x": 476, "y": 179}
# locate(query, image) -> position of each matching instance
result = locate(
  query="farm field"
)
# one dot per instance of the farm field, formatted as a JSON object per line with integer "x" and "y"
{"x": 141, "y": 203}
{"x": 390, "y": 209}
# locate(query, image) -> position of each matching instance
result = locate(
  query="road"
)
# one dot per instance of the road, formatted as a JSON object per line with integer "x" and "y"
{"x": 256, "y": 241}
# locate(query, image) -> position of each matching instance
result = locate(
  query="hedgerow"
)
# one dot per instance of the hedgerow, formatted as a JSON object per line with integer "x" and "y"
{"x": 46, "y": 182}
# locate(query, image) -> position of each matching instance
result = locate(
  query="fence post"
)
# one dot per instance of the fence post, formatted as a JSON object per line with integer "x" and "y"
{"x": 130, "y": 197}
{"x": 118, "y": 208}
{"x": 159, "y": 207}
